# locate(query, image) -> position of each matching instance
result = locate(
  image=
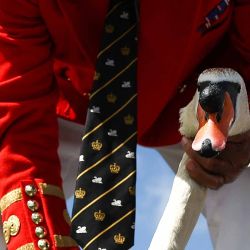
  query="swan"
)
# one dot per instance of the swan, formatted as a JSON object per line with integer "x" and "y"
{"x": 221, "y": 100}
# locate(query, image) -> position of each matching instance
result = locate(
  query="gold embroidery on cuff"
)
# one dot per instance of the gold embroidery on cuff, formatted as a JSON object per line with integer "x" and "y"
{"x": 10, "y": 198}
{"x": 47, "y": 189}
{"x": 11, "y": 227}
{"x": 64, "y": 241}
{"x": 29, "y": 246}
{"x": 16, "y": 195}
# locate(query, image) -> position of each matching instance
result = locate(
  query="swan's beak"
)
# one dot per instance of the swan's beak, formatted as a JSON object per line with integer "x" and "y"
{"x": 212, "y": 135}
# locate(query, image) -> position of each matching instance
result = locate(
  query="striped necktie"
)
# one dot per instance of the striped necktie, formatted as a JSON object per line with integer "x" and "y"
{"x": 104, "y": 203}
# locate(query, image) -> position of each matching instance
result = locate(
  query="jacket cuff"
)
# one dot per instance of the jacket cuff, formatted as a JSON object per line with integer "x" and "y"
{"x": 35, "y": 217}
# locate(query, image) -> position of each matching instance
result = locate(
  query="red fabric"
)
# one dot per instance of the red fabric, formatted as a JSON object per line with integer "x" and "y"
{"x": 47, "y": 58}
{"x": 48, "y": 206}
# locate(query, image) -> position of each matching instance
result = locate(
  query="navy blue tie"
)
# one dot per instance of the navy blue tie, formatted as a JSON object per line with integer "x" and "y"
{"x": 104, "y": 205}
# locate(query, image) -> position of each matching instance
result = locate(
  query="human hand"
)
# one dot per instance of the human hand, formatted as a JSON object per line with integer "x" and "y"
{"x": 224, "y": 168}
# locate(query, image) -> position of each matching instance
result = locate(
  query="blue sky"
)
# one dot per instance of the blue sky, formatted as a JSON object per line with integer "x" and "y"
{"x": 154, "y": 181}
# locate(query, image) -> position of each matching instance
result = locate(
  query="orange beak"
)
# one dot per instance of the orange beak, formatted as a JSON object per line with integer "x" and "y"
{"x": 214, "y": 128}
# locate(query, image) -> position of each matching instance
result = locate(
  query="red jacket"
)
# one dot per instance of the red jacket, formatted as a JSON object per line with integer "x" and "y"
{"x": 49, "y": 47}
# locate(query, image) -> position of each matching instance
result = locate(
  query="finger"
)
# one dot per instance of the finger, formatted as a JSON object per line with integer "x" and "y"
{"x": 231, "y": 176}
{"x": 237, "y": 155}
{"x": 203, "y": 178}
{"x": 212, "y": 165}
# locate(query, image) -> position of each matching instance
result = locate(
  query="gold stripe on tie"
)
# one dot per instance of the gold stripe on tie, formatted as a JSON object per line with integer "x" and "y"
{"x": 108, "y": 228}
{"x": 111, "y": 80}
{"x": 10, "y": 198}
{"x": 106, "y": 156}
{"x": 116, "y": 40}
{"x": 114, "y": 8}
{"x": 104, "y": 194}
{"x": 106, "y": 120}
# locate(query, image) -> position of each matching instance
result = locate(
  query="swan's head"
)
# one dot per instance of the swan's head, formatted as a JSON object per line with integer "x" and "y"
{"x": 219, "y": 106}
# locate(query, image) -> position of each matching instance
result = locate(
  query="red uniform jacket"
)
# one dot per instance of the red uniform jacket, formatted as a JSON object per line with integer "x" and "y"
{"x": 50, "y": 46}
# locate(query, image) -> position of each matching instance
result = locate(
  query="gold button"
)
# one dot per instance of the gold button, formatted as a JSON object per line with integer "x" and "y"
{"x": 37, "y": 218}
{"x": 33, "y": 205}
{"x": 30, "y": 190}
{"x": 43, "y": 244}
{"x": 41, "y": 232}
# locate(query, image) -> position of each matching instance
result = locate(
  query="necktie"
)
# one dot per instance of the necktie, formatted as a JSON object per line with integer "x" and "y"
{"x": 104, "y": 204}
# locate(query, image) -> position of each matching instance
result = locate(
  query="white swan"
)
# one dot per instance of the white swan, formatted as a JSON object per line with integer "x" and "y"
{"x": 187, "y": 197}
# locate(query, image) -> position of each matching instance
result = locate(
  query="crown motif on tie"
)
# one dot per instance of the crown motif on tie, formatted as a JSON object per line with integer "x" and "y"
{"x": 119, "y": 239}
{"x": 80, "y": 193}
{"x": 96, "y": 145}
{"x": 129, "y": 120}
{"x": 109, "y": 28}
{"x": 131, "y": 190}
{"x": 111, "y": 98}
{"x": 114, "y": 168}
{"x": 99, "y": 216}
{"x": 96, "y": 76}
{"x": 125, "y": 51}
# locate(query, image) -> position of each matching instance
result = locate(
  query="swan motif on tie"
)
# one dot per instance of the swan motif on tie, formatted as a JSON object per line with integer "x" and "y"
{"x": 218, "y": 109}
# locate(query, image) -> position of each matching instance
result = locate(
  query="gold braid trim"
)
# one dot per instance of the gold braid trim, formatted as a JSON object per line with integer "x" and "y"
{"x": 29, "y": 246}
{"x": 47, "y": 189}
{"x": 64, "y": 241}
{"x": 16, "y": 195}
{"x": 10, "y": 198}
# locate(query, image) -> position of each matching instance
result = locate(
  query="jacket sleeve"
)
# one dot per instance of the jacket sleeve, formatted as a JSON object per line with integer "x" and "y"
{"x": 31, "y": 199}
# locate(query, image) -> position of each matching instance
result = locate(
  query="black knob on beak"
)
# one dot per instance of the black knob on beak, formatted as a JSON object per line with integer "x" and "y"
{"x": 207, "y": 150}
{"x": 211, "y": 98}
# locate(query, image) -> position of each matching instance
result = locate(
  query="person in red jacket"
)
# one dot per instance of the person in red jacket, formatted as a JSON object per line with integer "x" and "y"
{"x": 48, "y": 52}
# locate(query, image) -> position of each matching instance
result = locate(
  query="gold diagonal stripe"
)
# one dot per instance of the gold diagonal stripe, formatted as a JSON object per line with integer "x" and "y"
{"x": 111, "y": 80}
{"x": 106, "y": 156}
{"x": 108, "y": 228}
{"x": 102, "y": 195}
{"x": 112, "y": 10}
{"x": 110, "y": 117}
{"x": 115, "y": 41}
